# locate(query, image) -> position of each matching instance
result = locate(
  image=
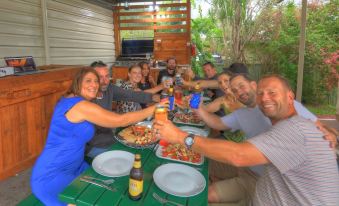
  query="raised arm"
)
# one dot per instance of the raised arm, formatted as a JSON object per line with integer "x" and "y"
{"x": 151, "y": 81}
{"x": 155, "y": 89}
{"x": 211, "y": 119}
{"x": 214, "y": 106}
{"x": 120, "y": 94}
{"x": 211, "y": 84}
{"x": 87, "y": 111}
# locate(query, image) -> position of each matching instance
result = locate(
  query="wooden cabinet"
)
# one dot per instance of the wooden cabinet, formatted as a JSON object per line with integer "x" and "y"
{"x": 26, "y": 108}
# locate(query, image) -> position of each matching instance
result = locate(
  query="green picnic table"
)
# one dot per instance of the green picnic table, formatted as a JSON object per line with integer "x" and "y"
{"x": 82, "y": 193}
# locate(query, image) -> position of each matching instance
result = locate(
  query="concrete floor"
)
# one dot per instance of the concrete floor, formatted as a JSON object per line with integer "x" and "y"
{"x": 16, "y": 188}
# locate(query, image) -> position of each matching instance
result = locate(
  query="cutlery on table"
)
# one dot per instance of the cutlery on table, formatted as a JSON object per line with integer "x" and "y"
{"x": 98, "y": 184}
{"x": 107, "y": 182}
{"x": 164, "y": 201}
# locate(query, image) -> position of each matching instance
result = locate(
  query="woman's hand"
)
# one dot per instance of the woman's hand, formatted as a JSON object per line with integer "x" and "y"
{"x": 329, "y": 134}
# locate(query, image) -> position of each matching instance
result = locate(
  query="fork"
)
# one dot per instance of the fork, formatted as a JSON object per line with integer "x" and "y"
{"x": 98, "y": 184}
{"x": 164, "y": 201}
{"x": 107, "y": 182}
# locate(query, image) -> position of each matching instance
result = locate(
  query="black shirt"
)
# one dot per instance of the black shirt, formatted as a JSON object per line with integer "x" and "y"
{"x": 164, "y": 73}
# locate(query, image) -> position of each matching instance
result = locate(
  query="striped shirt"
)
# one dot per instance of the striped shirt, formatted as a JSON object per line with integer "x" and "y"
{"x": 303, "y": 168}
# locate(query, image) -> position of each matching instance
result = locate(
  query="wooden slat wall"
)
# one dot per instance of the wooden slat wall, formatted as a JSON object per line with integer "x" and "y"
{"x": 26, "y": 107}
{"x": 139, "y": 18}
{"x": 21, "y": 29}
{"x": 78, "y": 32}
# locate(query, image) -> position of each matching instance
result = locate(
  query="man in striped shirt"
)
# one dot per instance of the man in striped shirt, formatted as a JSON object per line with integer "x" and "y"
{"x": 252, "y": 121}
{"x": 300, "y": 167}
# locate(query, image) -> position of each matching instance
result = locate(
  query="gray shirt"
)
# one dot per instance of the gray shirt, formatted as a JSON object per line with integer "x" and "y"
{"x": 252, "y": 121}
{"x": 302, "y": 168}
{"x": 103, "y": 136}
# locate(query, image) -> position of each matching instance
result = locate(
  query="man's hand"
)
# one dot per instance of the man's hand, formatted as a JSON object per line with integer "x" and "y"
{"x": 169, "y": 132}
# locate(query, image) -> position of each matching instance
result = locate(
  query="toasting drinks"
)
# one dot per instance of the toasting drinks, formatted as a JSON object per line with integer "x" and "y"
{"x": 171, "y": 98}
{"x": 136, "y": 179}
{"x": 178, "y": 95}
{"x": 195, "y": 100}
{"x": 160, "y": 113}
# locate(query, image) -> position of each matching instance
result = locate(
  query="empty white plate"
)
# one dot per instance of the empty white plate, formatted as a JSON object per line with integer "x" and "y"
{"x": 179, "y": 180}
{"x": 113, "y": 163}
{"x": 194, "y": 130}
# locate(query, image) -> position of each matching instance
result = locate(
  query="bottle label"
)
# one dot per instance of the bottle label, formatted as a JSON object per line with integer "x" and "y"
{"x": 195, "y": 101}
{"x": 171, "y": 103}
{"x": 135, "y": 187}
{"x": 137, "y": 164}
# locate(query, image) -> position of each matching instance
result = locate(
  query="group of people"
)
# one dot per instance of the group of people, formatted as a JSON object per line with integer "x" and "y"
{"x": 297, "y": 164}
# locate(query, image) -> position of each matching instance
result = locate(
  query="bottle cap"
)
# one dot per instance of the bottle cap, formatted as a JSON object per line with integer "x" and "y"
{"x": 137, "y": 156}
{"x": 197, "y": 87}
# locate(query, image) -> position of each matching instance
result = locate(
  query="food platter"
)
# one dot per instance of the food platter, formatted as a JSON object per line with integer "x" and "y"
{"x": 180, "y": 153}
{"x": 137, "y": 136}
{"x": 188, "y": 119}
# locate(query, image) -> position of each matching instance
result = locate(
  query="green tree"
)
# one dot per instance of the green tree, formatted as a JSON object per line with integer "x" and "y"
{"x": 206, "y": 36}
{"x": 277, "y": 47}
{"x": 239, "y": 23}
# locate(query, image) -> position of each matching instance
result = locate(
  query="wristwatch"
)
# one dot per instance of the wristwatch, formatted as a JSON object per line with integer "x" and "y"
{"x": 189, "y": 141}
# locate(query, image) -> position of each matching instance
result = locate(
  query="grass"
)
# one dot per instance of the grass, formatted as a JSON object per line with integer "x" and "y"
{"x": 322, "y": 109}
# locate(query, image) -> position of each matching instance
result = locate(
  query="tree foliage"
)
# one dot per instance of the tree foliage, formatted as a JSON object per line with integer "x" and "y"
{"x": 277, "y": 47}
{"x": 237, "y": 19}
{"x": 206, "y": 36}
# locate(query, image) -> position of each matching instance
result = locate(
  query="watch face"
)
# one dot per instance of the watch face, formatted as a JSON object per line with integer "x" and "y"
{"x": 189, "y": 141}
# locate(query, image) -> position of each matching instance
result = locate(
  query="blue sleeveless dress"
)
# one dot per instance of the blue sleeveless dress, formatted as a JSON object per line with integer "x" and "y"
{"x": 62, "y": 158}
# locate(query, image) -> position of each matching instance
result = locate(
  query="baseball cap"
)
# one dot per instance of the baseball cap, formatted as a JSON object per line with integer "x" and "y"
{"x": 237, "y": 68}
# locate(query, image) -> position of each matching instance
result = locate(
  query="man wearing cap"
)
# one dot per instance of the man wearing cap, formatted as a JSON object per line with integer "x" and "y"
{"x": 211, "y": 76}
{"x": 237, "y": 68}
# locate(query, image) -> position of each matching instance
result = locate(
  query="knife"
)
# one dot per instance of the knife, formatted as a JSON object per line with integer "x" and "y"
{"x": 98, "y": 184}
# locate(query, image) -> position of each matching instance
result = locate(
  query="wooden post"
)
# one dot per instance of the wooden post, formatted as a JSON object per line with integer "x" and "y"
{"x": 337, "y": 105}
{"x": 301, "y": 51}
{"x": 116, "y": 23}
{"x": 45, "y": 31}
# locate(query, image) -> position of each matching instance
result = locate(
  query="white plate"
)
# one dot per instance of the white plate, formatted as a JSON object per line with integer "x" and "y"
{"x": 194, "y": 130}
{"x": 113, "y": 163}
{"x": 179, "y": 180}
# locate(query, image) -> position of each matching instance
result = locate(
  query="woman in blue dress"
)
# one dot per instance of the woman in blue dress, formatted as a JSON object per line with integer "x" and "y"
{"x": 72, "y": 125}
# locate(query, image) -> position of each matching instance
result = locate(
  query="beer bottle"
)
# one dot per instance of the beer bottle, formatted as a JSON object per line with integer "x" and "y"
{"x": 136, "y": 180}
